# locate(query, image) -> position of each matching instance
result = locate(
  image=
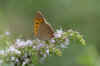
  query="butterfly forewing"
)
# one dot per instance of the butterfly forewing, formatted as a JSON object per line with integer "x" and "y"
{"x": 42, "y": 29}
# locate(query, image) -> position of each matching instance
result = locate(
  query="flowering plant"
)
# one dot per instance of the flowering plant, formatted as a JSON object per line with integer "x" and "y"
{"x": 22, "y": 52}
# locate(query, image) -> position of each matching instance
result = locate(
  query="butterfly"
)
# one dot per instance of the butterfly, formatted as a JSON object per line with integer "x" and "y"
{"x": 42, "y": 30}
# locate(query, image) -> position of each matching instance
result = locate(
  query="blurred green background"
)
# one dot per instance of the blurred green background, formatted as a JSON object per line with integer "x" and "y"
{"x": 81, "y": 15}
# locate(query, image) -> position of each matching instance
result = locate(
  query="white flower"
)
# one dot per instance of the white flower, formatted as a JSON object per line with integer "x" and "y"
{"x": 13, "y": 50}
{"x": 63, "y": 46}
{"x": 40, "y": 45}
{"x": 12, "y": 58}
{"x": 29, "y": 42}
{"x": 67, "y": 41}
{"x": 2, "y": 52}
{"x": 23, "y": 64}
{"x": 58, "y": 34}
{"x": 17, "y": 60}
{"x": 34, "y": 47}
{"x": 20, "y": 44}
{"x": 37, "y": 40}
{"x": 7, "y": 33}
{"x": 18, "y": 40}
{"x": 44, "y": 55}
{"x": 59, "y": 31}
{"x": 52, "y": 41}
{"x": 47, "y": 51}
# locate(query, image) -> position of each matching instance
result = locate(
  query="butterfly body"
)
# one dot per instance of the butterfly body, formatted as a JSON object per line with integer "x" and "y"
{"x": 42, "y": 29}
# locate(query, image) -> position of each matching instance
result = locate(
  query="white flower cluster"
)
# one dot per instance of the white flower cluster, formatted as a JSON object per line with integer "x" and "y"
{"x": 23, "y": 51}
{"x": 13, "y": 50}
{"x": 21, "y": 43}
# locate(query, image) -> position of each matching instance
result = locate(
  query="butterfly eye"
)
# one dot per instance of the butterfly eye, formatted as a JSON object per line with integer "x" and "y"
{"x": 49, "y": 32}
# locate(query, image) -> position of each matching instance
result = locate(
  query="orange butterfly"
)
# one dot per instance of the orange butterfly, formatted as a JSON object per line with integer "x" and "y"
{"x": 42, "y": 29}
